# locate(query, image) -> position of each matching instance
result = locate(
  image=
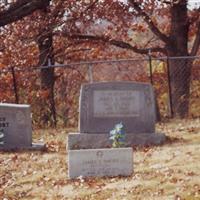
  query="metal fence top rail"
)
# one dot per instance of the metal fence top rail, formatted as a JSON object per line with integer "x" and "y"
{"x": 74, "y": 64}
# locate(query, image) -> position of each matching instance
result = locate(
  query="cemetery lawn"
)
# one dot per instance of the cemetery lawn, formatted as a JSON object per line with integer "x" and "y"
{"x": 170, "y": 171}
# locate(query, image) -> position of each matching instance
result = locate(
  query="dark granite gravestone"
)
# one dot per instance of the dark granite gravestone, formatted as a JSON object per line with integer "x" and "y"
{"x": 104, "y": 104}
{"x": 15, "y": 127}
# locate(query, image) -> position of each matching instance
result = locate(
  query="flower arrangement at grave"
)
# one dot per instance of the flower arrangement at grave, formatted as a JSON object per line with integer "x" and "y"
{"x": 117, "y": 135}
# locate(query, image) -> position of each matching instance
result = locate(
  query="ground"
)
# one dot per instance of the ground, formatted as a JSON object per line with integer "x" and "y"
{"x": 170, "y": 171}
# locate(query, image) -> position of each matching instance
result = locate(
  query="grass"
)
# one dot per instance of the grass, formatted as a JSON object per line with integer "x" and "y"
{"x": 170, "y": 171}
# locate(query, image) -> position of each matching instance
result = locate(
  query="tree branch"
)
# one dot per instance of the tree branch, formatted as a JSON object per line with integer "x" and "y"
{"x": 196, "y": 43}
{"x": 150, "y": 23}
{"x": 117, "y": 43}
{"x": 20, "y": 9}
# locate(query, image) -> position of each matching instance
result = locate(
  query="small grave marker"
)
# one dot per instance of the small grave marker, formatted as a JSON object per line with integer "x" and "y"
{"x": 100, "y": 162}
{"x": 16, "y": 128}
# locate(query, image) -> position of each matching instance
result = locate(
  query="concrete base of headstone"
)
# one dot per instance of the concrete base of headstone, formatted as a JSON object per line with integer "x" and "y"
{"x": 38, "y": 146}
{"x": 94, "y": 141}
{"x": 34, "y": 146}
{"x": 100, "y": 162}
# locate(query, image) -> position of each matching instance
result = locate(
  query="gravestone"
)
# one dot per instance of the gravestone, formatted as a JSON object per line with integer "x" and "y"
{"x": 104, "y": 104}
{"x": 16, "y": 128}
{"x": 100, "y": 162}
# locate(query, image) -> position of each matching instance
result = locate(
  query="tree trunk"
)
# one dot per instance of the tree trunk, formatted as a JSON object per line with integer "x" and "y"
{"x": 47, "y": 74}
{"x": 46, "y": 57}
{"x": 180, "y": 72}
{"x": 179, "y": 69}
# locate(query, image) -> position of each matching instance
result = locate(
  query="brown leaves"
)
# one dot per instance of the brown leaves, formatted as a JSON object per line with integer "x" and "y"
{"x": 1, "y": 192}
{"x": 170, "y": 171}
{"x": 14, "y": 157}
{"x": 54, "y": 146}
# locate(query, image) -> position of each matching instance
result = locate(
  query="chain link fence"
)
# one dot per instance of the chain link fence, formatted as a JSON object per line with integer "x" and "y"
{"x": 170, "y": 78}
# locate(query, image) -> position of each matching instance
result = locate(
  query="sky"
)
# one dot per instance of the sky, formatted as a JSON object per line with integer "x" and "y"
{"x": 194, "y": 3}
{"x": 191, "y": 3}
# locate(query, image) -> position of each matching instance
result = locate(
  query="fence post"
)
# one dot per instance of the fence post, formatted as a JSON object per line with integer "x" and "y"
{"x": 52, "y": 98}
{"x": 158, "y": 117}
{"x": 169, "y": 89}
{"x": 15, "y": 85}
{"x": 150, "y": 66}
{"x": 90, "y": 73}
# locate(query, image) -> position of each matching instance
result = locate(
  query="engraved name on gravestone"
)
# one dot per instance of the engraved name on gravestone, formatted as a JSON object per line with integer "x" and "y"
{"x": 116, "y": 103}
{"x": 15, "y": 126}
{"x": 104, "y": 104}
{"x": 100, "y": 162}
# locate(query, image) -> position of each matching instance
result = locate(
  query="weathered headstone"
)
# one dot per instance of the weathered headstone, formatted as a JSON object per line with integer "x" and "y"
{"x": 100, "y": 162}
{"x": 16, "y": 128}
{"x": 102, "y": 105}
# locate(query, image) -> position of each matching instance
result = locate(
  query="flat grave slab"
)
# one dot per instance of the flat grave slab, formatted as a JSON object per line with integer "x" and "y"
{"x": 100, "y": 162}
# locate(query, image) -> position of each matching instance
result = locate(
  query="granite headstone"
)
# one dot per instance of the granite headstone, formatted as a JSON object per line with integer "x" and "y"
{"x": 105, "y": 104}
{"x": 100, "y": 162}
{"x": 16, "y": 127}
{"x": 102, "y": 105}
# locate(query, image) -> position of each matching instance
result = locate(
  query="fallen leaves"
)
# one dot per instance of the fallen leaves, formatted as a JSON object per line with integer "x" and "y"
{"x": 54, "y": 146}
{"x": 172, "y": 169}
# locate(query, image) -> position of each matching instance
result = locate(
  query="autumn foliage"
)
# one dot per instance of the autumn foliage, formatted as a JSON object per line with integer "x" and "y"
{"x": 59, "y": 32}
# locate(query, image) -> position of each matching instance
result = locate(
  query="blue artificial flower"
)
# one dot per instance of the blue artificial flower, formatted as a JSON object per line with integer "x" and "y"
{"x": 118, "y": 127}
{"x": 117, "y": 135}
{"x": 113, "y": 132}
{"x": 112, "y": 137}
